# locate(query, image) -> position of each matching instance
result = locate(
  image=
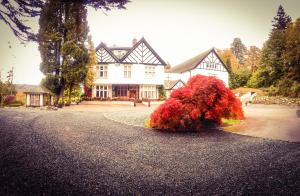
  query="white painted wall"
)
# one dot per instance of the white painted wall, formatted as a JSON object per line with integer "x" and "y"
{"x": 41, "y": 99}
{"x": 116, "y": 75}
{"x": 218, "y": 74}
{"x": 27, "y": 99}
{"x": 172, "y": 76}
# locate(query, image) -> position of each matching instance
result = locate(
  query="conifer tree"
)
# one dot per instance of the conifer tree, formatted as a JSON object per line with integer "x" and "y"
{"x": 63, "y": 32}
{"x": 281, "y": 20}
{"x": 239, "y": 50}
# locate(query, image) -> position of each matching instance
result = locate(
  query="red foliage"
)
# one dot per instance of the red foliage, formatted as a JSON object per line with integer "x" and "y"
{"x": 203, "y": 99}
{"x": 88, "y": 92}
{"x": 9, "y": 100}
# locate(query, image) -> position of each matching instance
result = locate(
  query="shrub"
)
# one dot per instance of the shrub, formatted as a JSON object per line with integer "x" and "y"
{"x": 16, "y": 104}
{"x": 9, "y": 99}
{"x": 203, "y": 100}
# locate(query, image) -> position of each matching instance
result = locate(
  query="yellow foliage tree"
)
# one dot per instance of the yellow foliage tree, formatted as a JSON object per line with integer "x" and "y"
{"x": 92, "y": 60}
{"x": 229, "y": 59}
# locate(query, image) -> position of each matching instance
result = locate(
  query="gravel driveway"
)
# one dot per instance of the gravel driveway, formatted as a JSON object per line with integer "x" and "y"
{"x": 84, "y": 153}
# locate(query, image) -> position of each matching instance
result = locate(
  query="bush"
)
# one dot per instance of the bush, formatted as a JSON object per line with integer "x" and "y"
{"x": 203, "y": 100}
{"x": 16, "y": 104}
{"x": 9, "y": 99}
{"x": 239, "y": 79}
{"x": 288, "y": 87}
{"x": 272, "y": 91}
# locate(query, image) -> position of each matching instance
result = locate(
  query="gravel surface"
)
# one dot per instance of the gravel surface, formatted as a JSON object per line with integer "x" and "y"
{"x": 84, "y": 153}
{"x": 134, "y": 117}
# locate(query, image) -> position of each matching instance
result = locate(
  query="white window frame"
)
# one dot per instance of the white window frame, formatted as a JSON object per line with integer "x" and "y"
{"x": 149, "y": 92}
{"x": 102, "y": 91}
{"x": 150, "y": 71}
{"x": 97, "y": 71}
{"x": 103, "y": 71}
{"x": 127, "y": 71}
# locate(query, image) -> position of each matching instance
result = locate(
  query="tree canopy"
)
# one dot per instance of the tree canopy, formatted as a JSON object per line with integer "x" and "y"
{"x": 15, "y": 13}
{"x": 238, "y": 49}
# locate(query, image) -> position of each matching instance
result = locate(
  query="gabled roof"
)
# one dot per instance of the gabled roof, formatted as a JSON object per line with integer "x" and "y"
{"x": 157, "y": 59}
{"x": 106, "y": 58}
{"x": 37, "y": 89}
{"x": 141, "y": 52}
{"x": 119, "y": 48}
{"x": 193, "y": 62}
{"x": 169, "y": 84}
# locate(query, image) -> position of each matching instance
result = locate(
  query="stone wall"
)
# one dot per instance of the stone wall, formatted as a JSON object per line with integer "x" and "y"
{"x": 276, "y": 100}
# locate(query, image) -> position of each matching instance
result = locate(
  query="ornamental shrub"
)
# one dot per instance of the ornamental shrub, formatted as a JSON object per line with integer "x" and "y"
{"x": 9, "y": 99}
{"x": 204, "y": 99}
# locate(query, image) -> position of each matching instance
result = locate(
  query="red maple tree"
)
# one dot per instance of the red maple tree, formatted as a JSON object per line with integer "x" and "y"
{"x": 204, "y": 99}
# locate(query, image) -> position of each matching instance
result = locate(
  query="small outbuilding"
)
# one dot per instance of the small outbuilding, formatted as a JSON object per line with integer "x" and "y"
{"x": 38, "y": 96}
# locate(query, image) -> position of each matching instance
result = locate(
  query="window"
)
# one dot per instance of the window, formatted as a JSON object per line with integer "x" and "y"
{"x": 102, "y": 91}
{"x": 102, "y": 71}
{"x": 211, "y": 65}
{"x": 149, "y": 92}
{"x": 149, "y": 71}
{"x": 97, "y": 71}
{"x": 127, "y": 71}
{"x": 121, "y": 91}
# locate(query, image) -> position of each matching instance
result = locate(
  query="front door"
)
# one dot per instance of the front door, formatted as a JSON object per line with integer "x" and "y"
{"x": 35, "y": 100}
{"x": 132, "y": 94}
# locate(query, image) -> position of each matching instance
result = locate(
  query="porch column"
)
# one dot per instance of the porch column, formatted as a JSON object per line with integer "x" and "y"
{"x": 41, "y": 99}
{"x": 27, "y": 99}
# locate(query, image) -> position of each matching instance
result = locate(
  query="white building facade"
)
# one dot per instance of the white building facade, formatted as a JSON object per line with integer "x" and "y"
{"x": 135, "y": 72}
{"x": 207, "y": 63}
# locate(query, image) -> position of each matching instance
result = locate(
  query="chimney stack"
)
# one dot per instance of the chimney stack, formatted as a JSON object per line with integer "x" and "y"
{"x": 134, "y": 41}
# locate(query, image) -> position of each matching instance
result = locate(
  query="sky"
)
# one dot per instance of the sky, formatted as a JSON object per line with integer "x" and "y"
{"x": 177, "y": 30}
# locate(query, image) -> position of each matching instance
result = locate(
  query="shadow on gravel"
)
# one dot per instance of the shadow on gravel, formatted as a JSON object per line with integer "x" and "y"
{"x": 207, "y": 131}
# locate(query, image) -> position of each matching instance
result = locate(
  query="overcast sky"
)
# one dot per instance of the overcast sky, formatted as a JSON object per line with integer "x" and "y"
{"x": 177, "y": 30}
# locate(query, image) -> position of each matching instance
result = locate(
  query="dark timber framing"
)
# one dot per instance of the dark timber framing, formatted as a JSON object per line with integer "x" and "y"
{"x": 140, "y": 53}
{"x": 104, "y": 55}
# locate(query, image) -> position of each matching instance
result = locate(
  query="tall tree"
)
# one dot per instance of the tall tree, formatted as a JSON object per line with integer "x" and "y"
{"x": 229, "y": 59}
{"x": 253, "y": 58}
{"x": 61, "y": 37}
{"x": 63, "y": 32}
{"x": 90, "y": 76}
{"x": 281, "y": 20}
{"x": 239, "y": 50}
{"x": 16, "y": 13}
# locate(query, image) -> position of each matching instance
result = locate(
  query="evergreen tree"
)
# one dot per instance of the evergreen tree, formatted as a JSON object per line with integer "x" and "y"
{"x": 62, "y": 34}
{"x": 281, "y": 20}
{"x": 61, "y": 37}
{"x": 239, "y": 50}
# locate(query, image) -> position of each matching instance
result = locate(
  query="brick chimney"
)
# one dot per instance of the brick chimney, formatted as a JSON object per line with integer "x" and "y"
{"x": 134, "y": 41}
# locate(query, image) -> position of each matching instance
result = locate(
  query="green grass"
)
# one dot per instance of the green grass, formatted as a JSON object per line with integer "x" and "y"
{"x": 230, "y": 121}
{"x": 147, "y": 123}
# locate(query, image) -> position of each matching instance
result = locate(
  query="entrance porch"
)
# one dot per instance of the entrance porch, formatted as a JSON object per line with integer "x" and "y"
{"x": 125, "y": 91}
